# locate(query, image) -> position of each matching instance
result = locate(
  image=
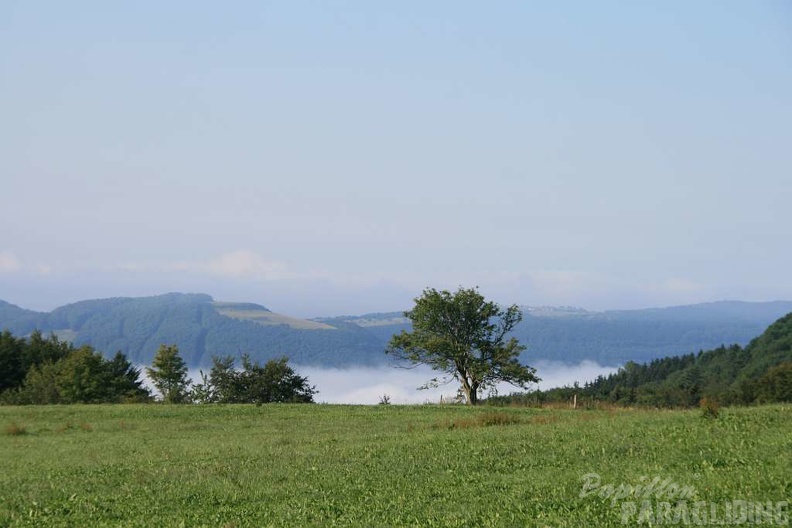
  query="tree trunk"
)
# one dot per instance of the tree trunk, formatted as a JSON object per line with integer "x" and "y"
{"x": 471, "y": 391}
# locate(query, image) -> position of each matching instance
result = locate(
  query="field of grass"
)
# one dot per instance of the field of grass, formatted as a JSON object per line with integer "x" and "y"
{"x": 330, "y": 465}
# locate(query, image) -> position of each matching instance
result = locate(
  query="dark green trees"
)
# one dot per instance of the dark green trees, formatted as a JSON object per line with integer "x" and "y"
{"x": 84, "y": 376}
{"x": 40, "y": 371}
{"x": 776, "y": 384}
{"x": 19, "y": 355}
{"x": 463, "y": 336}
{"x": 275, "y": 381}
{"x": 168, "y": 373}
{"x": 12, "y": 368}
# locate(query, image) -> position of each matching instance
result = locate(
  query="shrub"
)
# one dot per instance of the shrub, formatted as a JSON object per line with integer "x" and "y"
{"x": 709, "y": 408}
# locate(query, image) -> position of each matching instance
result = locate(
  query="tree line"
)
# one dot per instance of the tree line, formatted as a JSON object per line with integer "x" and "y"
{"x": 45, "y": 370}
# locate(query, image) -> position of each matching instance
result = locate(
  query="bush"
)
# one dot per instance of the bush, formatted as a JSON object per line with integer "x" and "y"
{"x": 709, "y": 408}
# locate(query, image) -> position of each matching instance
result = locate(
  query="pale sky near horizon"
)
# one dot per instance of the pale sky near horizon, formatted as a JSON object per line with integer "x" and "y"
{"x": 324, "y": 158}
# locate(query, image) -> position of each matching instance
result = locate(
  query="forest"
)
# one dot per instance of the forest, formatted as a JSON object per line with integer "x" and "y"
{"x": 760, "y": 372}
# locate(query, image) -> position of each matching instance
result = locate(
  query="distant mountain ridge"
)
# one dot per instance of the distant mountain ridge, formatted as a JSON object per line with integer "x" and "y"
{"x": 203, "y": 327}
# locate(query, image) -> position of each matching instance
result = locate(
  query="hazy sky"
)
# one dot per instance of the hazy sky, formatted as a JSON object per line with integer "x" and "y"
{"x": 323, "y": 158}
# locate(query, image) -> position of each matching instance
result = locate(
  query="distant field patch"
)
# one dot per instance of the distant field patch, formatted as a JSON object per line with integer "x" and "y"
{"x": 265, "y": 317}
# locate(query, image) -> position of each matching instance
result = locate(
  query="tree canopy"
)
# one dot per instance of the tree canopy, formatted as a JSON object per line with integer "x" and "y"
{"x": 168, "y": 373}
{"x": 275, "y": 381}
{"x": 464, "y": 336}
{"x": 41, "y": 371}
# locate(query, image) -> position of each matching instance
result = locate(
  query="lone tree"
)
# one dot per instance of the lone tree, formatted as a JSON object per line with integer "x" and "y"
{"x": 464, "y": 336}
{"x": 168, "y": 373}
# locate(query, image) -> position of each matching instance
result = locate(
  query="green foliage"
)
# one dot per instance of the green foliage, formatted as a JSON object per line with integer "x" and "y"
{"x": 203, "y": 392}
{"x": 463, "y": 336}
{"x": 51, "y": 371}
{"x": 123, "y": 380}
{"x": 18, "y": 356}
{"x": 332, "y": 465}
{"x": 39, "y": 387}
{"x": 275, "y": 381}
{"x": 776, "y": 384}
{"x": 12, "y": 359}
{"x": 168, "y": 373}
{"x": 225, "y": 382}
{"x": 79, "y": 377}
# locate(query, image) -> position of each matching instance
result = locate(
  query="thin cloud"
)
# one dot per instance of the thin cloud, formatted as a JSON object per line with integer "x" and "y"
{"x": 44, "y": 269}
{"x": 245, "y": 263}
{"x": 239, "y": 264}
{"x": 9, "y": 263}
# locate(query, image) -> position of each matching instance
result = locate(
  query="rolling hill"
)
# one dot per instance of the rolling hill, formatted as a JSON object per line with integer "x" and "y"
{"x": 761, "y": 372}
{"x": 203, "y": 327}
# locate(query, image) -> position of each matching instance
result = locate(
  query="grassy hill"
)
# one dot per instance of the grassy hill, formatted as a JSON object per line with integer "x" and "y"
{"x": 202, "y": 327}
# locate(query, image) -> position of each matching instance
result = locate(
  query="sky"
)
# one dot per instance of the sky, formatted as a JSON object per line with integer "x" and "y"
{"x": 328, "y": 158}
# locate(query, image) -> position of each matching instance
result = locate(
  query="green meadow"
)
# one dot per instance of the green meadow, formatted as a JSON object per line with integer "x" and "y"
{"x": 387, "y": 465}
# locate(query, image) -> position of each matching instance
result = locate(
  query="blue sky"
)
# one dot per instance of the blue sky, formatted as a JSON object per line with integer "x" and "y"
{"x": 337, "y": 157}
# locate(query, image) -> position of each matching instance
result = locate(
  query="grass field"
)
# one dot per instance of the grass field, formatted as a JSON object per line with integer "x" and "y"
{"x": 327, "y": 465}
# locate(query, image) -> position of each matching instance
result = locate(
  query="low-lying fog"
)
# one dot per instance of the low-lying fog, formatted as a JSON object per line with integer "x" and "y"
{"x": 366, "y": 385}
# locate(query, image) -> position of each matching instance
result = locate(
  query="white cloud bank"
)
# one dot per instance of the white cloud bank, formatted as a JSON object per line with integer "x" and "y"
{"x": 361, "y": 385}
{"x": 366, "y": 385}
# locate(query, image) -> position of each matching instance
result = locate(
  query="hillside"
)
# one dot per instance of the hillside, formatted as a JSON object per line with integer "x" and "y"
{"x": 16, "y": 319}
{"x": 203, "y": 327}
{"x": 200, "y": 327}
{"x": 758, "y": 373}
